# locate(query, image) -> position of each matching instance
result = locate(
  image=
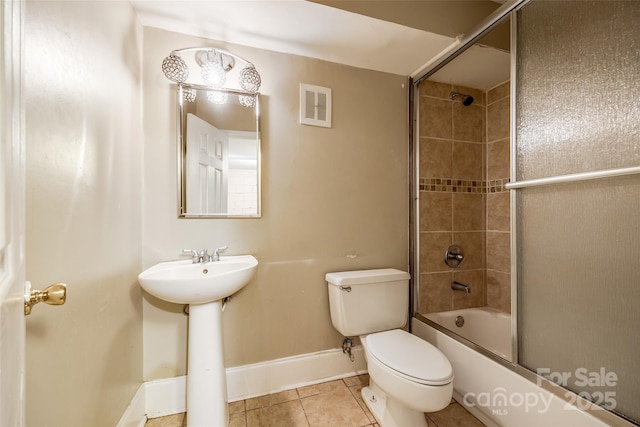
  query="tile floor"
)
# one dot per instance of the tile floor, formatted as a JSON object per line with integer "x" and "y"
{"x": 331, "y": 404}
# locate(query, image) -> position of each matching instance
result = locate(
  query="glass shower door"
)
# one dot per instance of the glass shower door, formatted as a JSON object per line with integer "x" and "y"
{"x": 577, "y": 180}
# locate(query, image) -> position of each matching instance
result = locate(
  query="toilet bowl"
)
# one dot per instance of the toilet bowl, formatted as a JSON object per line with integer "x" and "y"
{"x": 407, "y": 377}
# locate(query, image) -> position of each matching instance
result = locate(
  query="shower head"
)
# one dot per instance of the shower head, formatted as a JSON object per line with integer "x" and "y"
{"x": 466, "y": 99}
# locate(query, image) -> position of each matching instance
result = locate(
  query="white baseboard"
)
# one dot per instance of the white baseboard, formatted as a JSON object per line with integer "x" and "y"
{"x": 168, "y": 396}
{"x": 134, "y": 415}
{"x": 277, "y": 375}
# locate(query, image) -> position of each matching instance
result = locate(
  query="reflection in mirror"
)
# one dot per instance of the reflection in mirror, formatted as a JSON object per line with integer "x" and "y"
{"x": 219, "y": 161}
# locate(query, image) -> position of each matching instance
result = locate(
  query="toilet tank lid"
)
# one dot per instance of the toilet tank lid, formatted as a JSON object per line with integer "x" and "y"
{"x": 357, "y": 277}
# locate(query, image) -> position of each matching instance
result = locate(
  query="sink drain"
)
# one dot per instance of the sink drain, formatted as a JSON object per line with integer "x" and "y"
{"x": 459, "y": 321}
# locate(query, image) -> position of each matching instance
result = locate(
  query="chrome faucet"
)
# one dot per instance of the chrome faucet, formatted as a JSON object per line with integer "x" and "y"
{"x": 204, "y": 255}
{"x": 216, "y": 253}
{"x": 457, "y": 286}
{"x": 196, "y": 257}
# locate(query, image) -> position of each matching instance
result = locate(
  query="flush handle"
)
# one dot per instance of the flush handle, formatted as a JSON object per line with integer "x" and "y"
{"x": 55, "y": 294}
{"x": 345, "y": 288}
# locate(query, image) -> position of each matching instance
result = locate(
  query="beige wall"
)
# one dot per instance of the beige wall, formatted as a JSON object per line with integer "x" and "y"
{"x": 464, "y": 164}
{"x": 84, "y": 182}
{"x": 327, "y": 194}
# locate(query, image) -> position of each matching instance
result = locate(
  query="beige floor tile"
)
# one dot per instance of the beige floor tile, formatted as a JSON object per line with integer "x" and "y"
{"x": 174, "y": 420}
{"x": 235, "y": 407}
{"x": 358, "y": 380}
{"x": 271, "y": 399}
{"x": 238, "y": 419}
{"x": 320, "y": 388}
{"x": 454, "y": 415}
{"x": 336, "y": 407}
{"x": 356, "y": 391}
{"x": 330, "y": 404}
{"x": 289, "y": 414}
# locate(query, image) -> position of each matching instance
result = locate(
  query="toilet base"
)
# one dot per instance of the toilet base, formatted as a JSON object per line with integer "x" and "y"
{"x": 388, "y": 412}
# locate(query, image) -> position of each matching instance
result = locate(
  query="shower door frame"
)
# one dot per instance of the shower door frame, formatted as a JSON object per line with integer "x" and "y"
{"x": 507, "y": 10}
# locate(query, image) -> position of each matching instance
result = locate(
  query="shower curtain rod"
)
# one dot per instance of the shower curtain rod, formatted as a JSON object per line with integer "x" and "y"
{"x": 583, "y": 176}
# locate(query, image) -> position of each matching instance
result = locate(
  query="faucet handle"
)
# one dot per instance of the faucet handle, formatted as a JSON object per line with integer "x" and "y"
{"x": 216, "y": 253}
{"x": 194, "y": 254}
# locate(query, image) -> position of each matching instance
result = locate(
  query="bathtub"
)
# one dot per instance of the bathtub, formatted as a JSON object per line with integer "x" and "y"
{"x": 494, "y": 390}
{"x": 485, "y": 326}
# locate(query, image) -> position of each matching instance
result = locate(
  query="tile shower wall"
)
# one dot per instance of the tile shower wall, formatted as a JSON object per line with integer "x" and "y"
{"x": 452, "y": 199}
{"x": 460, "y": 201}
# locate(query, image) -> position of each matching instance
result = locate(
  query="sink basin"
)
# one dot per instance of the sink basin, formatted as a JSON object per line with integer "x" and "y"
{"x": 184, "y": 282}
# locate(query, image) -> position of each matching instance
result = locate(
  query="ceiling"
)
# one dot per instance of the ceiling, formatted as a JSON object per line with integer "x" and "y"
{"x": 319, "y": 31}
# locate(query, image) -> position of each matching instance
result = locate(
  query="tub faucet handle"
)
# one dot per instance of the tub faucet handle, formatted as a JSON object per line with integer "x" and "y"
{"x": 454, "y": 256}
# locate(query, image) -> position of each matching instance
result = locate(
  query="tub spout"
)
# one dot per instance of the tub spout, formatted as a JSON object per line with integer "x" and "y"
{"x": 457, "y": 286}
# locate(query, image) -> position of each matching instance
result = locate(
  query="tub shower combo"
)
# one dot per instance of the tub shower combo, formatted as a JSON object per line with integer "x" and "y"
{"x": 525, "y": 220}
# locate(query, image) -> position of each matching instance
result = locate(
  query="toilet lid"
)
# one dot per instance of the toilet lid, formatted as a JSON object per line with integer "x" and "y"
{"x": 411, "y": 356}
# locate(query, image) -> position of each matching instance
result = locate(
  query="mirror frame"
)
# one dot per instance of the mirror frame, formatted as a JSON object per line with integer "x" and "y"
{"x": 182, "y": 153}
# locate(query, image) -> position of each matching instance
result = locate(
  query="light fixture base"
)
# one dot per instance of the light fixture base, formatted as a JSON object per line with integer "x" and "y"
{"x": 212, "y": 55}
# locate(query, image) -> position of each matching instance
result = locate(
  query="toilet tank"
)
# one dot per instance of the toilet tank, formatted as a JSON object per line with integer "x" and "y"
{"x": 367, "y": 301}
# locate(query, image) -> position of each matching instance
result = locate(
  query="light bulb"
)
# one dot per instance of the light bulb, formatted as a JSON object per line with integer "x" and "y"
{"x": 213, "y": 74}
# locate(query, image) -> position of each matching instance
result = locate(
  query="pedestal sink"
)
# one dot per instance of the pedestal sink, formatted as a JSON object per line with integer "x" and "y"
{"x": 203, "y": 286}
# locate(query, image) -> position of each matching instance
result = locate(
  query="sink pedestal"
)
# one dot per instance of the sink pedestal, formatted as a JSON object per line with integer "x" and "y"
{"x": 206, "y": 376}
{"x": 203, "y": 286}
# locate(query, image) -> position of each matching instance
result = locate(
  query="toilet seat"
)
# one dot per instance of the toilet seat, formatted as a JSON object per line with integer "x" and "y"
{"x": 410, "y": 357}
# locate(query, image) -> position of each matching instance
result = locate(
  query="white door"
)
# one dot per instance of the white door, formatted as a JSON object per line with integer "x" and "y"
{"x": 12, "y": 214}
{"x": 207, "y": 167}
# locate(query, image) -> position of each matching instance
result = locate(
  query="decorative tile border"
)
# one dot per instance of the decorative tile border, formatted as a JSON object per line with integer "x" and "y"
{"x": 448, "y": 185}
{"x": 497, "y": 185}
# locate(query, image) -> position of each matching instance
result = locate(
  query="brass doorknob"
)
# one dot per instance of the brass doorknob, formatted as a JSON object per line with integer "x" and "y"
{"x": 55, "y": 294}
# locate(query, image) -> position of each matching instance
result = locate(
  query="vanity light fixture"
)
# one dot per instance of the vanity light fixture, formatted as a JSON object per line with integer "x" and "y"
{"x": 219, "y": 72}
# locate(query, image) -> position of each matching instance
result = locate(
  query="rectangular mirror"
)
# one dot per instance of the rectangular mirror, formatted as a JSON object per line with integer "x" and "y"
{"x": 218, "y": 153}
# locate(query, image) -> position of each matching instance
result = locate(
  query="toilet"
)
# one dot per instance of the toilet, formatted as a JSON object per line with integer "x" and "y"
{"x": 407, "y": 375}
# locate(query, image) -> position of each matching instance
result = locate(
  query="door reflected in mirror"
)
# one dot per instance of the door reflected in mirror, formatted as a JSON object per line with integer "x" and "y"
{"x": 219, "y": 146}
